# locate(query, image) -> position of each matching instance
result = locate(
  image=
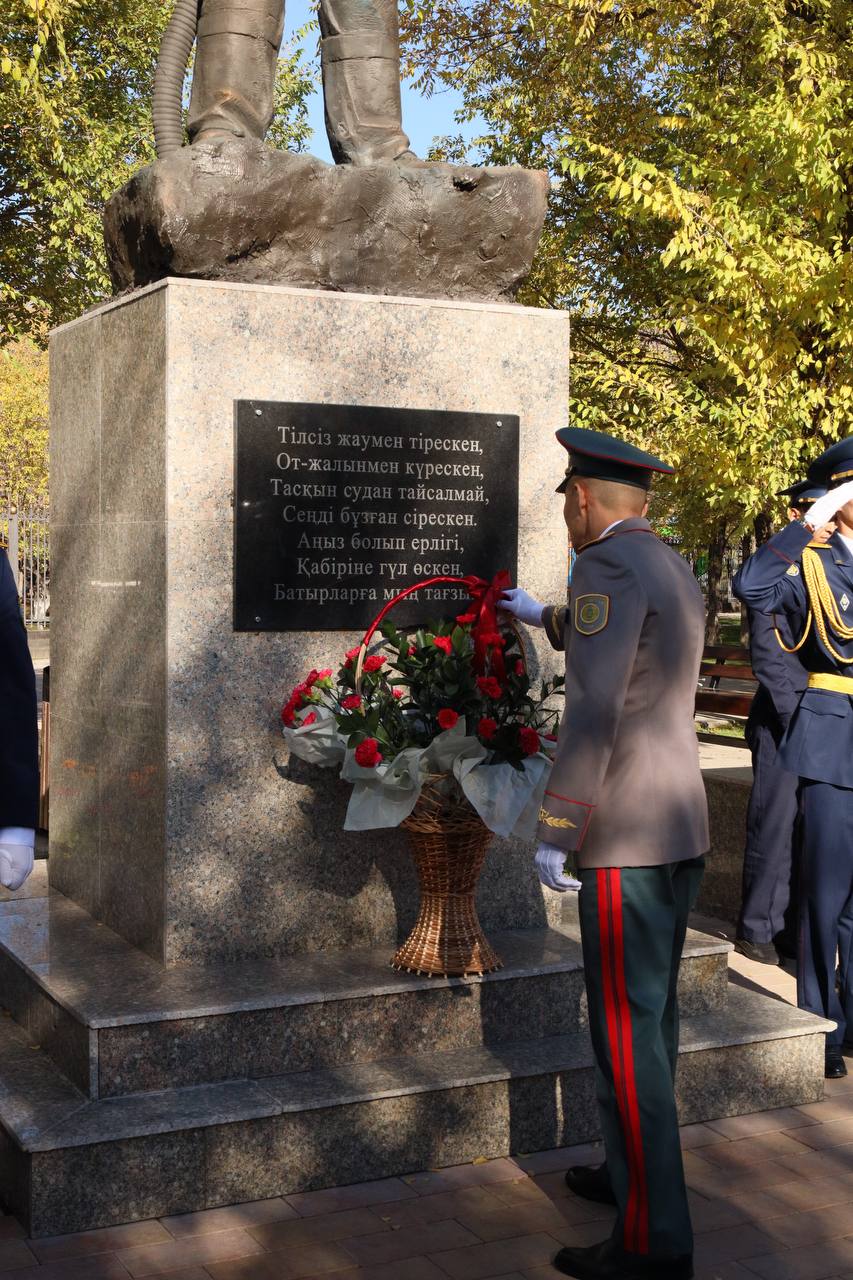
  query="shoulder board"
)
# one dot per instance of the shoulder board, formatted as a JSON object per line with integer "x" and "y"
{"x": 818, "y": 546}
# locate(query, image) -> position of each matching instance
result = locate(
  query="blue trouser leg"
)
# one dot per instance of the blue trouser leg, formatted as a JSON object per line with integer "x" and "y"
{"x": 845, "y": 956}
{"x": 633, "y": 922}
{"x": 770, "y": 823}
{"x": 826, "y": 886}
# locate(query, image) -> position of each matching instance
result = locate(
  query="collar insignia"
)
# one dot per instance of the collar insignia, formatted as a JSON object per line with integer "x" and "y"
{"x": 844, "y": 601}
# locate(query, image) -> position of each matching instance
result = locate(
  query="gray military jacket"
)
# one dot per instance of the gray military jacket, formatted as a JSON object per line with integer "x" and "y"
{"x": 626, "y": 789}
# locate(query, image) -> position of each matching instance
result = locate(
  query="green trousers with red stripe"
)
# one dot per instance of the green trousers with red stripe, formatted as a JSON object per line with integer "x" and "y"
{"x": 633, "y": 922}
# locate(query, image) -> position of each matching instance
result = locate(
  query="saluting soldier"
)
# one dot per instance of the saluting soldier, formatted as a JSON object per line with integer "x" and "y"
{"x": 765, "y": 928}
{"x": 626, "y": 804}
{"x": 810, "y": 581}
{"x": 19, "y": 771}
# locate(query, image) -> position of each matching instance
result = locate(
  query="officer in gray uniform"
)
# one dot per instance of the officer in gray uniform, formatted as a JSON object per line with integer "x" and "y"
{"x": 626, "y": 804}
{"x": 234, "y": 75}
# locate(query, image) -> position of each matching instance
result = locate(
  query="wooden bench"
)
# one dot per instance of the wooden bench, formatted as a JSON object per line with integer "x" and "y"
{"x": 725, "y": 662}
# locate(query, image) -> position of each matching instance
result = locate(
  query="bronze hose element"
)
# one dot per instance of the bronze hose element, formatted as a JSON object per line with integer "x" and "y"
{"x": 166, "y": 106}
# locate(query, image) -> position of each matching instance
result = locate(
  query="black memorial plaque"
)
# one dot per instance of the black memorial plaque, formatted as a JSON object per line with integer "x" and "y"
{"x": 338, "y": 508}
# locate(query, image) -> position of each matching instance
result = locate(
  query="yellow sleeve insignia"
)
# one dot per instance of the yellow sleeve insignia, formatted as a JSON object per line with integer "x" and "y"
{"x": 550, "y": 821}
{"x": 591, "y": 614}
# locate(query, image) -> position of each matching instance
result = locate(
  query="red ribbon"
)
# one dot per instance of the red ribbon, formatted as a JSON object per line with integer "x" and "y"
{"x": 485, "y": 598}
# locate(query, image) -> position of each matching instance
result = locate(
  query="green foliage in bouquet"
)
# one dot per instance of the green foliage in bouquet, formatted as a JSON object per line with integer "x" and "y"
{"x": 422, "y": 684}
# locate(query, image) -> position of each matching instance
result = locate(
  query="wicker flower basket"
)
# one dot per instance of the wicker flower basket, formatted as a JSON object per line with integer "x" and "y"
{"x": 448, "y": 842}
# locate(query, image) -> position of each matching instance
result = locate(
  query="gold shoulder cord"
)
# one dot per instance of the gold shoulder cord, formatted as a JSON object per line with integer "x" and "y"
{"x": 824, "y": 608}
{"x": 796, "y": 648}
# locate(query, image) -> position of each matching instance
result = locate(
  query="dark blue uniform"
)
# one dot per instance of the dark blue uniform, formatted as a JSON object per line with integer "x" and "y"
{"x": 817, "y": 746}
{"x": 19, "y": 770}
{"x": 772, "y": 812}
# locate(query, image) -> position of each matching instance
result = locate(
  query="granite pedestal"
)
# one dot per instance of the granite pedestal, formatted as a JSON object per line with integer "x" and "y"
{"x": 201, "y": 1006}
{"x": 176, "y": 817}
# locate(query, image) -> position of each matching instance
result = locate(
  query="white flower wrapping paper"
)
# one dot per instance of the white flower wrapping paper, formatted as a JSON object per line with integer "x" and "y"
{"x": 507, "y": 800}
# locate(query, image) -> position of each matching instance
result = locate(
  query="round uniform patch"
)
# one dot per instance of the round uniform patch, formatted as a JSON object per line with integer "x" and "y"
{"x": 794, "y": 571}
{"x": 591, "y": 614}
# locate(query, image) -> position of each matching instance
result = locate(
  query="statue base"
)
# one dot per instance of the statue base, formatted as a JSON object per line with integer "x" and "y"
{"x": 236, "y": 210}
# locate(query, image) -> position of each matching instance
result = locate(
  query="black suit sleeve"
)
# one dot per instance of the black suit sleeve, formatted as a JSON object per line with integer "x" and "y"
{"x": 19, "y": 766}
{"x": 774, "y": 668}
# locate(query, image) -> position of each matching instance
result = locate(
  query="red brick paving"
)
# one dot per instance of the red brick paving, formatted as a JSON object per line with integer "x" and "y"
{"x": 771, "y": 1196}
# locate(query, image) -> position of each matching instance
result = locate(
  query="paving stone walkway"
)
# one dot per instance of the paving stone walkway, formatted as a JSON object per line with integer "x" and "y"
{"x": 771, "y": 1196}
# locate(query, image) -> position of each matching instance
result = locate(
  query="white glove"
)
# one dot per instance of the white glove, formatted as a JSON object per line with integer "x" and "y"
{"x": 16, "y": 856}
{"x": 550, "y": 866}
{"x": 827, "y": 507}
{"x": 522, "y": 606}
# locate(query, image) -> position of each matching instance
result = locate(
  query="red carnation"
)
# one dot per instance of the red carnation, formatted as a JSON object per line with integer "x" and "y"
{"x": 374, "y": 663}
{"x": 309, "y": 719}
{"x": 519, "y": 668}
{"x": 487, "y": 728}
{"x": 465, "y": 619}
{"x": 288, "y": 715}
{"x": 367, "y": 754}
{"x": 447, "y": 717}
{"x": 324, "y": 675}
{"x": 398, "y": 693}
{"x": 444, "y": 643}
{"x": 352, "y": 703}
{"x": 529, "y": 741}
{"x": 412, "y": 651}
{"x": 352, "y": 655}
{"x": 489, "y": 686}
{"x": 312, "y": 678}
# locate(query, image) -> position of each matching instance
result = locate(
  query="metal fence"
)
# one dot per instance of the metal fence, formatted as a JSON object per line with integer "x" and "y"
{"x": 25, "y": 539}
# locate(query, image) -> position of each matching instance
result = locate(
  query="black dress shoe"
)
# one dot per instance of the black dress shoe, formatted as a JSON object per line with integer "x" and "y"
{"x": 763, "y": 952}
{"x": 834, "y": 1065}
{"x": 591, "y": 1183}
{"x": 607, "y": 1262}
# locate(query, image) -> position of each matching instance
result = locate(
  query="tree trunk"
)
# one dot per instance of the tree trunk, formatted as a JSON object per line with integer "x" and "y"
{"x": 763, "y": 526}
{"x": 716, "y": 565}
{"x": 745, "y": 553}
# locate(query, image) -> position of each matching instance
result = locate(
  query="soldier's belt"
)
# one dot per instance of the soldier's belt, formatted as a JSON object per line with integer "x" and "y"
{"x": 836, "y": 684}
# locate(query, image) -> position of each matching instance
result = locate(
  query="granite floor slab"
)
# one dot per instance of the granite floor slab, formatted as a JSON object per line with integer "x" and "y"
{"x": 102, "y": 981}
{"x": 42, "y": 1111}
{"x": 117, "y": 1023}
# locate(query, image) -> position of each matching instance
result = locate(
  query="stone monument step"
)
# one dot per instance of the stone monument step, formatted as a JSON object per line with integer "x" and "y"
{"x": 118, "y": 1023}
{"x": 68, "y": 1163}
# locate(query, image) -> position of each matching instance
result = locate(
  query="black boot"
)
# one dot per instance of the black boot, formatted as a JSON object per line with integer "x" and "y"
{"x": 606, "y": 1261}
{"x": 592, "y": 1183}
{"x": 786, "y": 945}
{"x": 834, "y": 1065}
